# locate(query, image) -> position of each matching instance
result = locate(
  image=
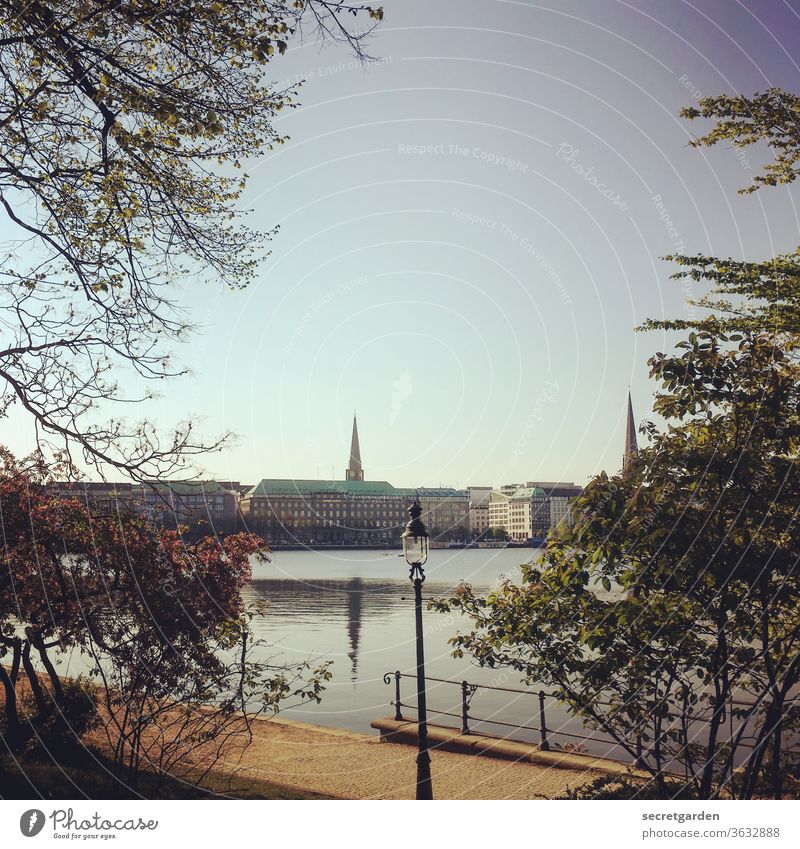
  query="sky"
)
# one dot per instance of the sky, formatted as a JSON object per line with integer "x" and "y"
{"x": 470, "y": 230}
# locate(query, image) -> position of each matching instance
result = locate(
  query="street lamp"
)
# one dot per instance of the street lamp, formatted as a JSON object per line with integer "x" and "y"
{"x": 415, "y": 550}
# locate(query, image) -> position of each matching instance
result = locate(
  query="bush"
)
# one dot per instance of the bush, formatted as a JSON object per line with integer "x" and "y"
{"x": 628, "y": 787}
{"x": 58, "y": 732}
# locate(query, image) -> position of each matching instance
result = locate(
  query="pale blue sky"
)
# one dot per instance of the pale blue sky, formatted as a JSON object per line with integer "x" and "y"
{"x": 474, "y": 298}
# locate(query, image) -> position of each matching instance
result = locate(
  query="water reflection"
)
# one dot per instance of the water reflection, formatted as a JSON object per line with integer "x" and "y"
{"x": 364, "y": 622}
{"x": 355, "y": 597}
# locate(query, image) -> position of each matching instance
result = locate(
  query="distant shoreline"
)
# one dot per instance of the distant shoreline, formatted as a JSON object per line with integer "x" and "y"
{"x": 398, "y": 549}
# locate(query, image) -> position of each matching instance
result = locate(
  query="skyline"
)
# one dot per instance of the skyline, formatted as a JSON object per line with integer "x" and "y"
{"x": 461, "y": 256}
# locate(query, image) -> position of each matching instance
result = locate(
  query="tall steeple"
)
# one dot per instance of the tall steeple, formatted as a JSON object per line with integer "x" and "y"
{"x": 631, "y": 446}
{"x": 355, "y": 471}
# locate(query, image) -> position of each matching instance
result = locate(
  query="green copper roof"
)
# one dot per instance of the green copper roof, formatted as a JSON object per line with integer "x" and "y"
{"x": 526, "y": 492}
{"x": 523, "y": 493}
{"x": 286, "y": 486}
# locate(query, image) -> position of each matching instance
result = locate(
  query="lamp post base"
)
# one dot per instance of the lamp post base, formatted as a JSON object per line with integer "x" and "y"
{"x": 424, "y": 785}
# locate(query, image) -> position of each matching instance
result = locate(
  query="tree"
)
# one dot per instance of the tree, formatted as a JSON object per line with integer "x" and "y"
{"x": 163, "y": 626}
{"x": 668, "y": 612}
{"x": 772, "y": 116}
{"x": 748, "y": 296}
{"x": 123, "y": 129}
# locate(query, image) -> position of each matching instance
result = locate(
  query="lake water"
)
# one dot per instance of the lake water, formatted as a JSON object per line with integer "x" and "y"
{"x": 356, "y": 608}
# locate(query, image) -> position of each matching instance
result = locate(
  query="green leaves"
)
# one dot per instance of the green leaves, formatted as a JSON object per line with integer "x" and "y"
{"x": 772, "y": 116}
{"x": 122, "y": 126}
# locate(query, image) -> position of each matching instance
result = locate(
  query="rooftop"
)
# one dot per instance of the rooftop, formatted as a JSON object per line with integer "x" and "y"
{"x": 186, "y": 487}
{"x": 287, "y": 486}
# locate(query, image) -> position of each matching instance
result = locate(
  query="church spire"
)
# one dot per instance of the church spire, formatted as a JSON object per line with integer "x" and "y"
{"x": 631, "y": 446}
{"x": 355, "y": 471}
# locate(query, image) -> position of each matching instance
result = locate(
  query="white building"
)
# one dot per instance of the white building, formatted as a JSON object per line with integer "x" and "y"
{"x": 522, "y": 511}
{"x": 479, "y": 497}
{"x": 529, "y": 511}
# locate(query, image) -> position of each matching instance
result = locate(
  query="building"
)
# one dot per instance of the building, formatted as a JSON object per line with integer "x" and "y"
{"x": 341, "y": 512}
{"x": 445, "y": 512}
{"x": 559, "y": 496}
{"x": 202, "y": 506}
{"x": 352, "y": 511}
{"x": 100, "y": 496}
{"x": 499, "y": 510}
{"x": 348, "y": 512}
{"x": 520, "y": 514}
{"x": 479, "y": 497}
{"x": 521, "y": 511}
{"x": 529, "y": 511}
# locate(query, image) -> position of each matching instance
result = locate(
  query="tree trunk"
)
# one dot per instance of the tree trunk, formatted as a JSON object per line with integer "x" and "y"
{"x": 16, "y": 653}
{"x": 777, "y": 772}
{"x": 15, "y": 735}
{"x": 33, "y": 679}
{"x": 55, "y": 681}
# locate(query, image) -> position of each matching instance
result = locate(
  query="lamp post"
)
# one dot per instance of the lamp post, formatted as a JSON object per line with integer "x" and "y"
{"x": 415, "y": 550}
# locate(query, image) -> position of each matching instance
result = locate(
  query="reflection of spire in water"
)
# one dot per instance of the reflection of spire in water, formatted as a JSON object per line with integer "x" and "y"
{"x": 355, "y": 597}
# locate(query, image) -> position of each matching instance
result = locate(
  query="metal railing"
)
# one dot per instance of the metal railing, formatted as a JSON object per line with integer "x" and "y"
{"x": 468, "y": 690}
{"x": 540, "y": 697}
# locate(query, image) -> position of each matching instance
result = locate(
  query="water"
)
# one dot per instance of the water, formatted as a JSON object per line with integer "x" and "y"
{"x": 355, "y": 608}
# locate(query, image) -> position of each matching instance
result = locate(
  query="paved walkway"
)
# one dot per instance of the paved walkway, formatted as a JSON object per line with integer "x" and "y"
{"x": 358, "y": 766}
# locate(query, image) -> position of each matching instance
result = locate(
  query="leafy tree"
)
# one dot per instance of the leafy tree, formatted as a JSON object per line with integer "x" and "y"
{"x": 667, "y": 614}
{"x": 123, "y": 129}
{"x": 163, "y": 625}
{"x": 748, "y": 296}
{"x": 744, "y": 297}
{"x": 772, "y": 116}
{"x": 496, "y": 533}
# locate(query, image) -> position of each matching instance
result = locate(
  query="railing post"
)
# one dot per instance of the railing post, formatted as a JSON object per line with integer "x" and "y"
{"x": 398, "y": 714}
{"x": 544, "y": 745}
{"x": 464, "y": 707}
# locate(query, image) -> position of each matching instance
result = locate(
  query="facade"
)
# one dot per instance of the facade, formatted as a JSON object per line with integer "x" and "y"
{"x": 499, "y": 516}
{"x": 445, "y": 512}
{"x": 540, "y": 513}
{"x": 101, "y": 496}
{"x": 529, "y": 511}
{"x": 559, "y": 510}
{"x": 334, "y": 512}
{"x": 559, "y": 496}
{"x": 521, "y": 511}
{"x": 348, "y": 512}
{"x": 202, "y": 506}
{"x": 479, "y": 497}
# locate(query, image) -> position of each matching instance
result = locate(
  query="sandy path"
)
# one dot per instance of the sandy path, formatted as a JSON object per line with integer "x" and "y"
{"x": 359, "y": 766}
{"x": 349, "y": 765}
